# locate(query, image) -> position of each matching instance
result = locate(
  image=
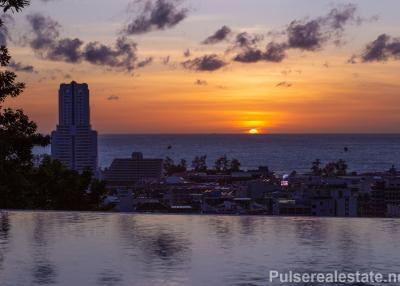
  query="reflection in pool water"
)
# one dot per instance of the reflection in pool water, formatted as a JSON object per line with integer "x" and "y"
{"x": 56, "y": 248}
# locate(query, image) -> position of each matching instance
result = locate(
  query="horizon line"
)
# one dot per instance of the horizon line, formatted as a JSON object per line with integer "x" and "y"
{"x": 260, "y": 134}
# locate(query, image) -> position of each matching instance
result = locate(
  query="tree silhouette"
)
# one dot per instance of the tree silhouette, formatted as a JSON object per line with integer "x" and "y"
{"x": 55, "y": 187}
{"x": 18, "y": 134}
{"x": 13, "y": 5}
{"x": 199, "y": 163}
{"x": 171, "y": 168}
{"x": 234, "y": 165}
{"x": 222, "y": 164}
{"x": 316, "y": 168}
{"x": 22, "y": 184}
{"x": 331, "y": 169}
{"x": 341, "y": 168}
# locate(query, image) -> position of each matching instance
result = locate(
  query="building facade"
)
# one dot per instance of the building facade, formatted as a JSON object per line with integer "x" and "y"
{"x": 127, "y": 172}
{"x": 74, "y": 143}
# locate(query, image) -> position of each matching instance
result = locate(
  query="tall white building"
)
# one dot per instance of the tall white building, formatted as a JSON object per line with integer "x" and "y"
{"x": 74, "y": 143}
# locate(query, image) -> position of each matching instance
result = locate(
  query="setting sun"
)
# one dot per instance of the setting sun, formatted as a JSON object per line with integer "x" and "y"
{"x": 253, "y": 131}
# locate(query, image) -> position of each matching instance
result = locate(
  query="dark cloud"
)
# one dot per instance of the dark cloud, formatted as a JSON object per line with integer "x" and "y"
{"x": 19, "y": 67}
{"x": 121, "y": 56}
{"x": 249, "y": 56}
{"x": 338, "y": 18}
{"x": 377, "y": 50}
{"x": 145, "y": 62}
{"x": 47, "y": 43}
{"x": 273, "y": 53}
{"x": 382, "y": 49}
{"x": 284, "y": 84}
{"x": 246, "y": 40}
{"x": 352, "y": 60}
{"x": 205, "y": 63}
{"x": 187, "y": 53}
{"x": 67, "y": 50}
{"x": 201, "y": 82}
{"x": 45, "y": 31}
{"x": 312, "y": 34}
{"x": 166, "y": 60}
{"x": 113, "y": 97}
{"x": 5, "y": 20}
{"x": 289, "y": 71}
{"x": 306, "y": 35}
{"x": 45, "y": 40}
{"x": 219, "y": 36}
{"x": 156, "y": 15}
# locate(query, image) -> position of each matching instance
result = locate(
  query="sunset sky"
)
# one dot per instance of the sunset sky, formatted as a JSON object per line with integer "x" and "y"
{"x": 303, "y": 66}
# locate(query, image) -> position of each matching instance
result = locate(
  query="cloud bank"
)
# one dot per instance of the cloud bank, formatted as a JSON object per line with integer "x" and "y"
{"x": 219, "y": 36}
{"x": 46, "y": 42}
{"x": 20, "y": 67}
{"x": 205, "y": 63}
{"x": 306, "y": 35}
{"x": 155, "y": 15}
{"x": 382, "y": 49}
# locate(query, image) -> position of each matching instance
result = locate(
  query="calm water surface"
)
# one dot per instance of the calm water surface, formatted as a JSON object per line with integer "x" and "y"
{"x": 46, "y": 248}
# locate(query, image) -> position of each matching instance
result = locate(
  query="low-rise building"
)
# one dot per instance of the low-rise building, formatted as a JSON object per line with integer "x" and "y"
{"x": 130, "y": 171}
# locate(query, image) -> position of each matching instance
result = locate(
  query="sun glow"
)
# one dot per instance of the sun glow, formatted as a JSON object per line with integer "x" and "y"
{"x": 253, "y": 131}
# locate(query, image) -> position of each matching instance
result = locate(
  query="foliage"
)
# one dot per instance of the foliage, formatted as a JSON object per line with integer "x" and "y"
{"x": 51, "y": 186}
{"x": 13, "y": 5}
{"x": 224, "y": 165}
{"x": 17, "y": 138}
{"x": 171, "y": 168}
{"x": 341, "y": 168}
{"x": 331, "y": 169}
{"x": 22, "y": 184}
{"x": 199, "y": 163}
{"x": 55, "y": 187}
{"x": 316, "y": 168}
{"x": 234, "y": 165}
{"x": 8, "y": 86}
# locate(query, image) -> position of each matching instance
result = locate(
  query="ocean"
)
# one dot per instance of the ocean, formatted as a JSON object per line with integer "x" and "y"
{"x": 281, "y": 153}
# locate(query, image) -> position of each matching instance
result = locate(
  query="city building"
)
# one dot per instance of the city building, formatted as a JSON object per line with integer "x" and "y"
{"x": 74, "y": 143}
{"x": 127, "y": 172}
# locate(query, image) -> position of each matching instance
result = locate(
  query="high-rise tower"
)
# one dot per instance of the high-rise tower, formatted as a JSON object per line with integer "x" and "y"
{"x": 74, "y": 143}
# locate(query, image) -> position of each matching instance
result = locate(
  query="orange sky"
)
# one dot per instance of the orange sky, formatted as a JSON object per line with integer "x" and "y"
{"x": 322, "y": 92}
